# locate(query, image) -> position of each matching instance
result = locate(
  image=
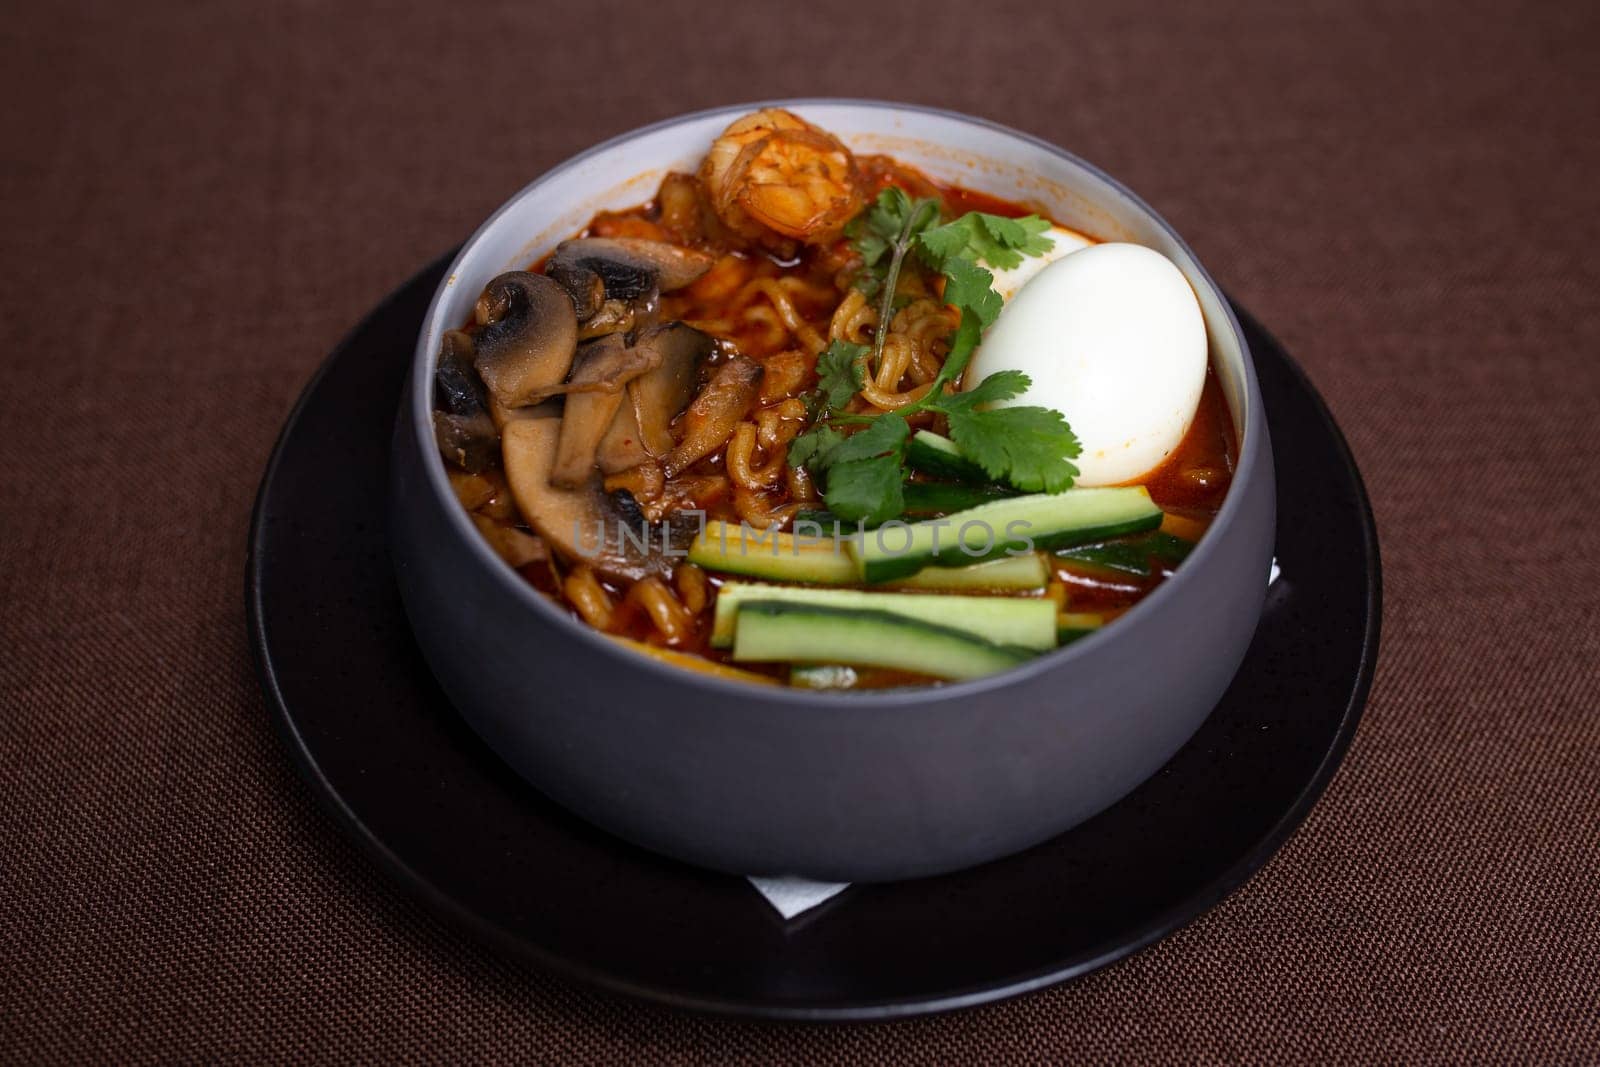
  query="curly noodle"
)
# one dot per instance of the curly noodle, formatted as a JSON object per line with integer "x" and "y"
{"x": 771, "y": 320}
{"x": 740, "y": 460}
{"x": 770, "y": 303}
{"x": 914, "y": 347}
{"x": 760, "y": 508}
{"x": 671, "y": 619}
{"x": 853, "y": 320}
{"x": 801, "y": 488}
{"x": 780, "y": 423}
{"x": 694, "y": 589}
{"x": 588, "y": 597}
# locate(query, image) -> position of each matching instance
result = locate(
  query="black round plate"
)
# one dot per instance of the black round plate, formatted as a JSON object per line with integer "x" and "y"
{"x": 412, "y": 782}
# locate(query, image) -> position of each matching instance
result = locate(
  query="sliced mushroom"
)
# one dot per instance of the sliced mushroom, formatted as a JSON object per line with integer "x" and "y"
{"x": 619, "y": 316}
{"x": 711, "y": 419}
{"x": 528, "y": 338}
{"x": 629, "y": 267}
{"x": 517, "y": 547}
{"x": 643, "y": 482}
{"x": 659, "y": 396}
{"x": 484, "y": 492}
{"x": 472, "y": 490}
{"x": 461, "y": 425}
{"x": 588, "y": 293}
{"x": 595, "y": 395}
{"x": 502, "y": 414}
{"x": 469, "y": 441}
{"x": 627, "y": 273}
{"x": 609, "y": 375}
{"x": 456, "y": 386}
{"x": 586, "y": 523}
{"x": 621, "y": 448}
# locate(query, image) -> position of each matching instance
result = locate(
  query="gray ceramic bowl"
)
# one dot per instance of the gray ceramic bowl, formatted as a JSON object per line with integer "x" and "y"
{"x": 844, "y": 786}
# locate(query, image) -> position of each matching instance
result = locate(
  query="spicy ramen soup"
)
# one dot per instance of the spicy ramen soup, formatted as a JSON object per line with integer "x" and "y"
{"x": 818, "y": 419}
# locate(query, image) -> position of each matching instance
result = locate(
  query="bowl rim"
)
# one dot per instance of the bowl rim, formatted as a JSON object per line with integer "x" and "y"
{"x": 420, "y": 393}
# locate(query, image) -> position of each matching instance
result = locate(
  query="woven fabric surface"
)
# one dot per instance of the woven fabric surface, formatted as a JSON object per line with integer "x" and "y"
{"x": 197, "y": 200}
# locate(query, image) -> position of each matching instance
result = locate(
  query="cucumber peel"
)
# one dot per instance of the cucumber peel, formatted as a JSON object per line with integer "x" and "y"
{"x": 781, "y": 557}
{"x": 1003, "y": 527}
{"x": 1131, "y": 555}
{"x": 939, "y": 456}
{"x": 773, "y": 631}
{"x": 1024, "y": 622}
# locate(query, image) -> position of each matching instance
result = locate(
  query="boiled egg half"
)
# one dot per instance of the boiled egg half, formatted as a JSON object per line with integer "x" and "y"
{"x": 1111, "y": 336}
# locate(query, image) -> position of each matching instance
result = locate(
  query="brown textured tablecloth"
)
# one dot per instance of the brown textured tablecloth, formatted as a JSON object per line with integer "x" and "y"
{"x": 197, "y": 200}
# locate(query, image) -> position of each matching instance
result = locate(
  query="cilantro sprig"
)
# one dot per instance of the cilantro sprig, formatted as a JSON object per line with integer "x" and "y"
{"x": 882, "y": 236}
{"x": 864, "y": 473}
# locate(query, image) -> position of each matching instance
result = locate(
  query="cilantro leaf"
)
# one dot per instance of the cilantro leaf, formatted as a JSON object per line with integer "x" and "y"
{"x": 813, "y": 448}
{"x": 1014, "y": 238}
{"x": 1001, "y": 385}
{"x": 866, "y": 489}
{"x": 982, "y": 238}
{"x": 840, "y": 376}
{"x": 1031, "y": 448}
{"x": 889, "y": 212}
{"x": 865, "y": 473}
{"x": 885, "y": 434}
{"x": 962, "y": 345}
{"x": 971, "y": 288}
{"x": 823, "y": 446}
{"x": 942, "y": 243}
{"x": 872, "y": 248}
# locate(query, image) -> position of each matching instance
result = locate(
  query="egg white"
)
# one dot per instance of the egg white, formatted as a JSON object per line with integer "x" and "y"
{"x": 1113, "y": 338}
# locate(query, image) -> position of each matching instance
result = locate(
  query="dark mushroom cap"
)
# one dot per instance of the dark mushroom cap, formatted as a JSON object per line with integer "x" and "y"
{"x": 456, "y": 386}
{"x": 529, "y": 335}
{"x": 468, "y": 441}
{"x": 587, "y": 290}
{"x": 629, "y": 269}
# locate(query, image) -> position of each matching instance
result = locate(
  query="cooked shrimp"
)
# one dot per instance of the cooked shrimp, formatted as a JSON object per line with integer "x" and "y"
{"x": 772, "y": 172}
